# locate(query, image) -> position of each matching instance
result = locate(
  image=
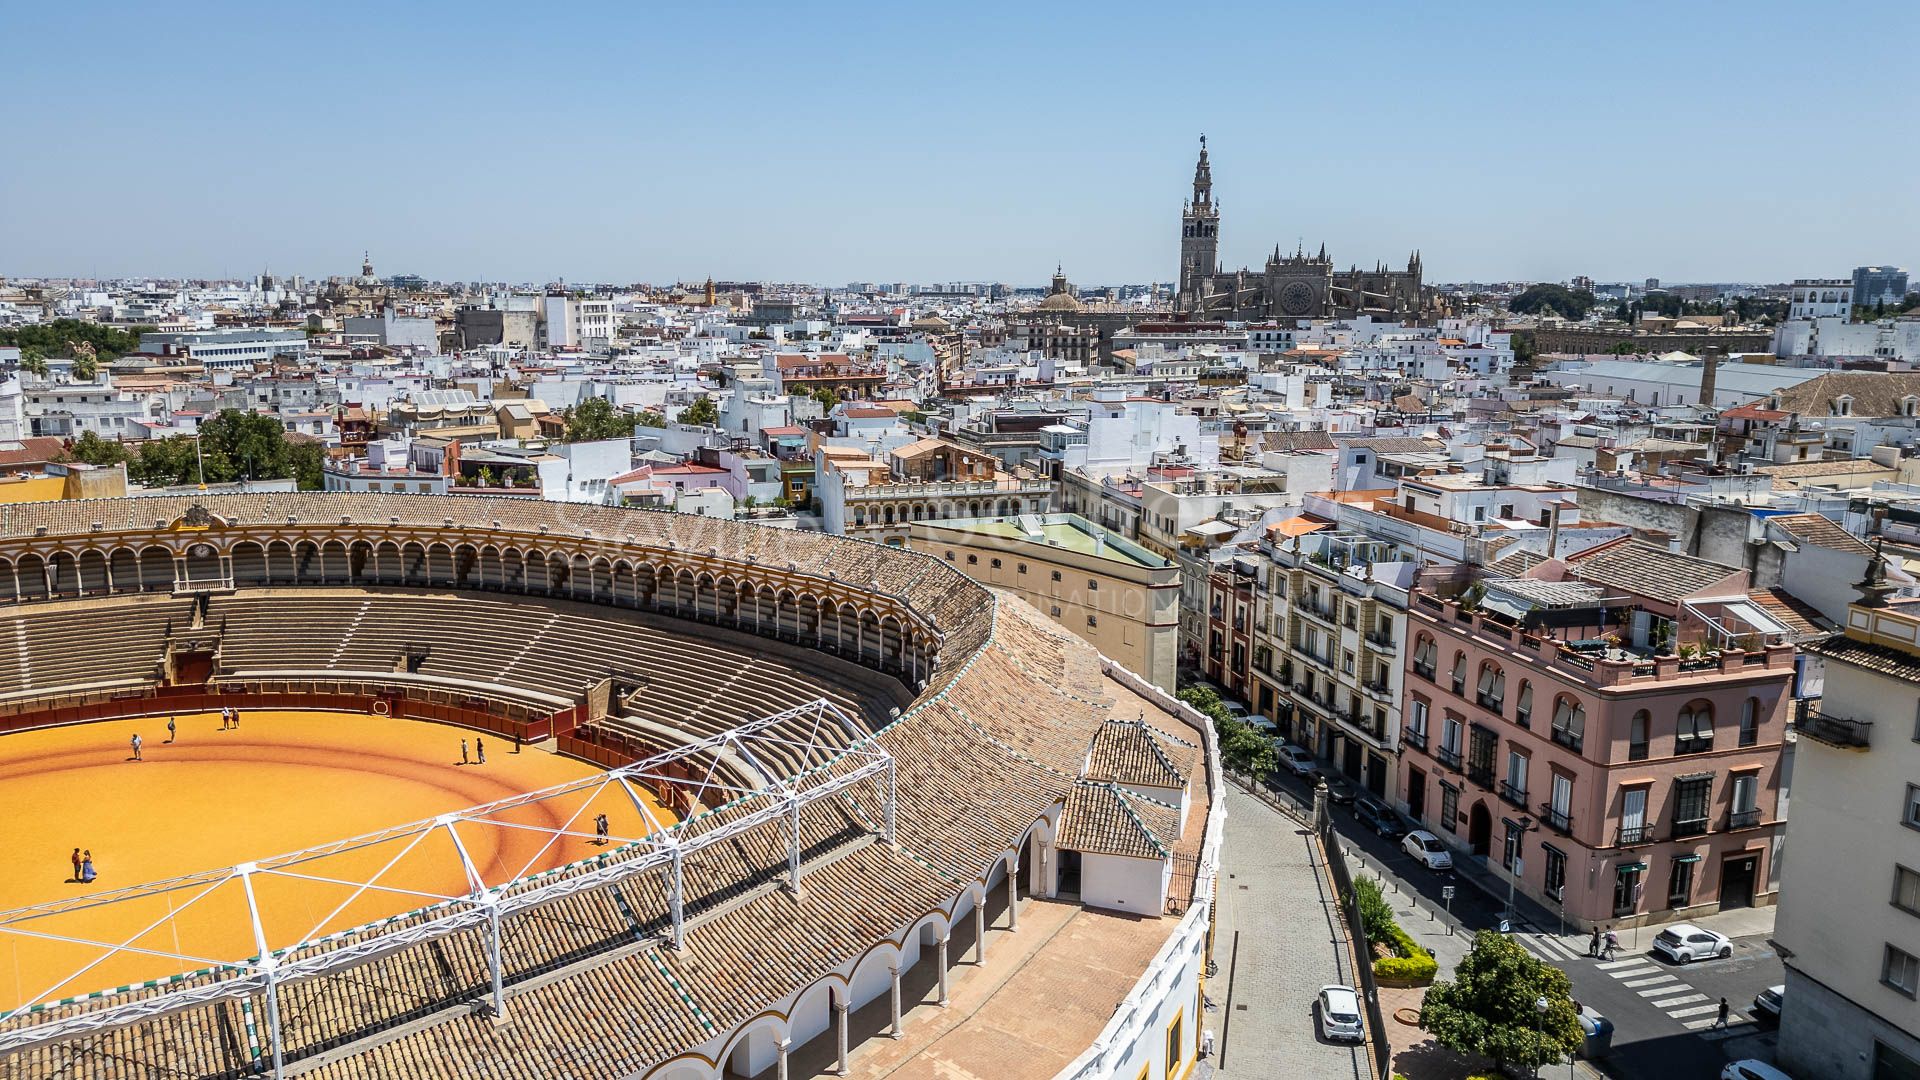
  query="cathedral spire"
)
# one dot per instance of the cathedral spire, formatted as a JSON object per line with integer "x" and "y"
{"x": 1202, "y": 178}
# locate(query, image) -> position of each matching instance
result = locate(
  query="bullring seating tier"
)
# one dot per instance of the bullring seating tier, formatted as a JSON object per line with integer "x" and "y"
{"x": 86, "y": 643}
{"x": 700, "y": 679}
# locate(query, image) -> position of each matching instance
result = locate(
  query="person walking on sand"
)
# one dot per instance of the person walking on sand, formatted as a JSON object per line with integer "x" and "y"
{"x": 135, "y": 743}
{"x": 76, "y": 865}
{"x": 170, "y": 729}
{"x": 600, "y": 829}
{"x": 463, "y": 751}
{"x": 87, "y": 873}
{"x": 1593, "y": 944}
{"x": 480, "y": 750}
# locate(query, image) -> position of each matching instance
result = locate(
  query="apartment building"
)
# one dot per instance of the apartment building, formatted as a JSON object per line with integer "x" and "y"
{"x": 926, "y": 480}
{"x": 1630, "y": 706}
{"x": 1106, "y": 589}
{"x": 1849, "y": 919}
{"x": 1330, "y": 619}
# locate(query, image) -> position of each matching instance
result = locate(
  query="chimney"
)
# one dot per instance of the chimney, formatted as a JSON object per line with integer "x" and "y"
{"x": 1710, "y": 358}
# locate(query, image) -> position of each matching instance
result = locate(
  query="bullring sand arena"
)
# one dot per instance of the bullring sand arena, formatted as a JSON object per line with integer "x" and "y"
{"x": 280, "y": 782}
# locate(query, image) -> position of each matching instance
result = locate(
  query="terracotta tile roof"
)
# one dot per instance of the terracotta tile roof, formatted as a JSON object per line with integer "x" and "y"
{"x": 1883, "y": 659}
{"x": 1821, "y": 531}
{"x": 1642, "y": 569}
{"x": 1136, "y": 752}
{"x": 1107, "y": 819}
{"x": 1284, "y": 441}
{"x": 1798, "y": 616}
{"x": 1874, "y": 393}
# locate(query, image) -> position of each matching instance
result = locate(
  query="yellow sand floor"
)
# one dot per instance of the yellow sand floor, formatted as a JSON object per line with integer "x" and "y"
{"x": 282, "y": 782}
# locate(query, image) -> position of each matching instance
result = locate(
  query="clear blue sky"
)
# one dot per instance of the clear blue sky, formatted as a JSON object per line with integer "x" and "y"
{"x": 648, "y": 142}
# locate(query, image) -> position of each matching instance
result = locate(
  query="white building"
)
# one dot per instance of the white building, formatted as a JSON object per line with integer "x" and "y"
{"x": 1849, "y": 920}
{"x": 1814, "y": 298}
{"x": 243, "y": 347}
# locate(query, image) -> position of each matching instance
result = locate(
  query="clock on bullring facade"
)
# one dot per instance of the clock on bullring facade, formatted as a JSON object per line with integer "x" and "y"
{"x": 1296, "y": 298}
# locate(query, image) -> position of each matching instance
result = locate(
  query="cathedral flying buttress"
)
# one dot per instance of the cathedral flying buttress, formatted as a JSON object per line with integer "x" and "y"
{"x": 1296, "y": 286}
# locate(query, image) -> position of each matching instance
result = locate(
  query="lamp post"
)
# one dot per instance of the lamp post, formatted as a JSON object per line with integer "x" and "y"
{"x": 1526, "y": 826}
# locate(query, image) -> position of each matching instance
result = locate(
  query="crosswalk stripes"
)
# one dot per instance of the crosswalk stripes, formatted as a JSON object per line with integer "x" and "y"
{"x": 1655, "y": 984}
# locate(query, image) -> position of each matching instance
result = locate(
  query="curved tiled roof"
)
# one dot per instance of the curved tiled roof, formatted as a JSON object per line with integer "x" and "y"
{"x": 995, "y": 740}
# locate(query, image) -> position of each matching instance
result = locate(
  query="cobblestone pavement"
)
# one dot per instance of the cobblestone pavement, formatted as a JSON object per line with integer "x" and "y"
{"x": 1276, "y": 942}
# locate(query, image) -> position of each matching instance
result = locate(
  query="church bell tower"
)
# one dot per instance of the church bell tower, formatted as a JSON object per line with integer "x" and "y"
{"x": 1199, "y": 231}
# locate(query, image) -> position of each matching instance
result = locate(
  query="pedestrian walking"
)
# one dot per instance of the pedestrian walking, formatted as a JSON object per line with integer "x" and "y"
{"x": 480, "y": 751}
{"x": 1593, "y": 943}
{"x": 1721, "y": 1020}
{"x": 1613, "y": 943}
{"x": 463, "y": 752}
{"x": 76, "y": 865}
{"x": 87, "y": 873}
{"x": 135, "y": 743}
{"x": 223, "y": 718}
{"x": 516, "y": 741}
{"x": 170, "y": 729}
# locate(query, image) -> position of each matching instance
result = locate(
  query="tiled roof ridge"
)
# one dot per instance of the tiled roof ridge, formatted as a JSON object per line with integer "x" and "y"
{"x": 1126, "y": 798}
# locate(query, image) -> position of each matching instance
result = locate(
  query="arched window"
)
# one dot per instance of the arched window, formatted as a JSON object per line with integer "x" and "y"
{"x": 1637, "y": 735}
{"x": 1523, "y": 705}
{"x": 1694, "y": 733}
{"x": 1424, "y": 657}
{"x": 1491, "y": 694}
{"x": 1569, "y": 722}
{"x": 1750, "y": 722}
{"x": 1459, "y": 674}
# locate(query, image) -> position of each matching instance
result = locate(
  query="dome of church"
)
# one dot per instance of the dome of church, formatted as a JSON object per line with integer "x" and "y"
{"x": 934, "y": 323}
{"x": 1060, "y": 301}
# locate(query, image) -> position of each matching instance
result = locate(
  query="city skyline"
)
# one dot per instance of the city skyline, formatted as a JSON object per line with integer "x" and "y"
{"x": 764, "y": 144}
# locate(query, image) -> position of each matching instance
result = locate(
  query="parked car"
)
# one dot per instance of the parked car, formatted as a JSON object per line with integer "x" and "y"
{"x": 1751, "y": 1069}
{"x": 1767, "y": 1003}
{"x": 1683, "y": 943}
{"x": 1381, "y": 818}
{"x": 1340, "y": 1014}
{"x": 1339, "y": 791}
{"x": 1296, "y": 761}
{"x": 1427, "y": 847}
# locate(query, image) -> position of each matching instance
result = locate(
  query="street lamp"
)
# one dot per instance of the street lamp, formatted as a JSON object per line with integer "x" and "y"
{"x": 1526, "y": 826}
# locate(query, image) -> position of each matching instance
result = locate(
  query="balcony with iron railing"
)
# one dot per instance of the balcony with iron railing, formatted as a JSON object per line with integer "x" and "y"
{"x": 1414, "y": 738}
{"x": 1559, "y": 821}
{"x": 1481, "y": 775}
{"x": 1685, "y": 827}
{"x": 1743, "y": 819}
{"x": 1837, "y": 731}
{"x": 1515, "y": 795}
{"x": 1447, "y": 757}
{"x": 1630, "y": 835}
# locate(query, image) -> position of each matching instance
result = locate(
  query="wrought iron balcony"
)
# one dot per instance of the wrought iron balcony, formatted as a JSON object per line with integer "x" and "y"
{"x": 1690, "y": 827}
{"x": 1840, "y": 731}
{"x": 1515, "y": 795}
{"x": 1449, "y": 758}
{"x": 1556, "y": 820}
{"x": 1743, "y": 819}
{"x": 1415, "y": 739}
{"x": 1634, "y": 834}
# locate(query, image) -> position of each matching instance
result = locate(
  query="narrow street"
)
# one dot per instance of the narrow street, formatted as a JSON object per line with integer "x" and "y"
{"x": 1663, "y": 1013}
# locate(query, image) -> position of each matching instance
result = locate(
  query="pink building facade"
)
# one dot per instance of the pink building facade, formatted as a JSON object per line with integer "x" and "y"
{"x": 1627, "y": 788}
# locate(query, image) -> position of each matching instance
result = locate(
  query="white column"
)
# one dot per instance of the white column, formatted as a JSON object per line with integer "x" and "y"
{"x": 780, "y": 1059}
{"x": 894, "y": 972}
{"x": 980, "y": 928}
{"x": 1013, "y": 896}
{"x": 940, "y": 959}
{"x": 840, "y": 1034}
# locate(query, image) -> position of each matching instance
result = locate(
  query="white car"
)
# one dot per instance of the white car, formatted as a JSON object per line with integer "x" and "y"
{"x": 1295, "y": 760}
{"x": 1340, "y": 1014}
{"x": 1427, "y": 847}
{"x": 1684, "y": 943}
{"x": 1751, "y": 1069}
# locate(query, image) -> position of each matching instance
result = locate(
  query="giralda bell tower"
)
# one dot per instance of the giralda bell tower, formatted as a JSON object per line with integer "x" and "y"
{"x": 1199, "y": 231}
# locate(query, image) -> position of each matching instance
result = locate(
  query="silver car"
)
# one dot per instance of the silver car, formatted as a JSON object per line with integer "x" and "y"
{"x": 1340, "y": 1014}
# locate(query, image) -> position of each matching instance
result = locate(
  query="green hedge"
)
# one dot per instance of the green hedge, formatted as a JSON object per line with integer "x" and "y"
{"x": 1410, "y": 965}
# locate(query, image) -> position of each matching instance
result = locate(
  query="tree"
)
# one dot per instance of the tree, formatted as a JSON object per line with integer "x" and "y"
{"x": 596, "y": 418}
{"x": 1241, "y": 746}
{"x": 703, "y": 411}
{"x": 1622, "y": 348}
{"x": 85, "y": 368}
{"x": 163, "y": 462}
{"x": 91, "y": 449}
{"x": 1568, "y": 303}
{"x": 825, "y": 396}
{"x": 307, "y": 460}
{"x": 650, "y": 418}
{"x": 62, "y": 336}
{"x": 244, "y": 446}
{"x": 1623, "y": 313}
{"x": 33, "y": 361}
{"x": 1491, "y": 1006}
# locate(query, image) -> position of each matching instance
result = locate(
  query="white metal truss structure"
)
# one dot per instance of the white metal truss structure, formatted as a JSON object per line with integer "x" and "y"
{"x": 727, "y": 776}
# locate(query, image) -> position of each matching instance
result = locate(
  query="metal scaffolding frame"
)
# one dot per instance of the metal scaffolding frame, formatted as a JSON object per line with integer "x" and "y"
{"x": 841, "y": 754}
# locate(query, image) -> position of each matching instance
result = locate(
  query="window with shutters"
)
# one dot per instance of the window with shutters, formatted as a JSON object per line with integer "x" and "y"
{"x": 1491, "y": 694}
{"x": 1523, "y": 705}
{"x": 1694, "y": 734}
{"x": 1459, "y": 676}
{"x": 1637, "y": 735}
{"x": 1569, "y": 722}
{"x": 1750, "y": 722}
{"x": 1424, "y": 657}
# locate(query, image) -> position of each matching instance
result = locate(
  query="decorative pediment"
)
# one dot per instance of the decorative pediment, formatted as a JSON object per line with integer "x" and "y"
{"x": 199, "y": 519}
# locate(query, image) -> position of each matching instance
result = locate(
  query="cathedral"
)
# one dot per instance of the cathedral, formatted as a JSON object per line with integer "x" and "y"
{"x": 1296, "y": 286}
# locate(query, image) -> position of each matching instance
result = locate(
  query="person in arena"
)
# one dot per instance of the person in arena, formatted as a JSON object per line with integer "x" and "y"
{"x": 135, "y": 743}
